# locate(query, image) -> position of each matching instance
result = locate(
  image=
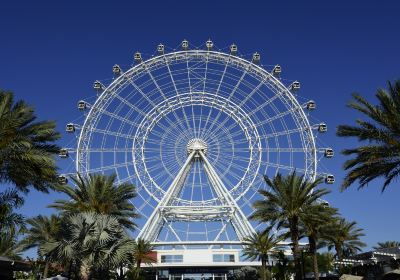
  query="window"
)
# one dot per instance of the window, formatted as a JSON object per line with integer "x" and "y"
{"x": 223, "y": 258}
{"x": 171, "y": 258}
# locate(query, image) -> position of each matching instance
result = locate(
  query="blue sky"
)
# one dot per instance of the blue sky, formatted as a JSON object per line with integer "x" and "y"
{"x": 52, "y": 51}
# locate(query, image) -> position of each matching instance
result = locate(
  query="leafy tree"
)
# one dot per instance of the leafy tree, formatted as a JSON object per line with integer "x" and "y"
{"x": 27, "y": 147}
{"x": 285, "y": 205}
{"x": 259, "y": 245}
{"x": 98, "y": 193}
{"x": 313, "y": 225}
{"x": 387, "y": 244}
{"x": 97, "y": 242}
{"x": 379, "y": 157}
{"x": 345, "y": 237}
{"x": 10, "y": 222}
{"x": 42, "y": 230}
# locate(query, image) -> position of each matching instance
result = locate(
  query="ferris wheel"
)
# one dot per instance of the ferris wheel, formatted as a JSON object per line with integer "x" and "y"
{"x": 195, "y": 130}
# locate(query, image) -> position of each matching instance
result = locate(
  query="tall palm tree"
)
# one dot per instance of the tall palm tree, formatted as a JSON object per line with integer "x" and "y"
{"x": 42, "y": 230}
{"x": 10, "y": 222}
{"x": 313, "y": 225}
{"x": 98, "y": 242}
{"x": 387, "y": 244}
{"x": 345, "y": 237}
{"x": 285, "y": 204}
{"x": 27, "y": 147}
{"x": 259, "y": 246}
{"x": 379, "y": 157}
{"x": 100, "y": 194}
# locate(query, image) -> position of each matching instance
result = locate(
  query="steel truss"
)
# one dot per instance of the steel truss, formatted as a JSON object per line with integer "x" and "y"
{"x": 228, "y": 209}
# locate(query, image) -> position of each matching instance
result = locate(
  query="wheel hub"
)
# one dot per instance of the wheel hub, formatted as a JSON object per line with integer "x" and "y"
{"x": 196, "y": 145}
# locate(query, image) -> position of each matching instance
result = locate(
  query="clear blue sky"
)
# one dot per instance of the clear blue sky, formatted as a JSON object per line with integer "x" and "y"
{"x": 51, "y": 52}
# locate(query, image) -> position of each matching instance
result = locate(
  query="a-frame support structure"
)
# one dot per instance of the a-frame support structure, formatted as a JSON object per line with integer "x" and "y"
{"x": 227, "y": 210}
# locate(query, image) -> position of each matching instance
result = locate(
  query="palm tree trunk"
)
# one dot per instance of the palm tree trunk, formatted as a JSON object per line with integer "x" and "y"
{"x": 263, "y": 268}
{"x": 46, "y": 269}
{"x": 339, "y": 255}
{"x": 313, "y": 250}
{"x": 294, "y": 233}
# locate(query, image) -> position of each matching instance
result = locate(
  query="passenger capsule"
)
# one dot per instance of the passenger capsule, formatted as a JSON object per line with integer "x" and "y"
{"x": 138, "y": 57}
{"x": 160, "y": 49}
{"x": 70, "y": 128}
{"x": 209, "y": 44}
{"x": 63, "y": 153}
{"x": 330, "y": 179}
{"x": 185, "y": 45}
{"x": 256, "y": 58}
{"x": 311, "y": 105}
{"x": 62, "y": 180}
{"x": 277, "y": 70}
{"x": 233, "y": 49}
{"x": 328, "y": 153}
{"x": 116, "y": 69}
{"x": 295, "y": 86}
{"x": 97, "y": 85}
{"x": 322, "y": 127}
{"x": 81, "y": 105}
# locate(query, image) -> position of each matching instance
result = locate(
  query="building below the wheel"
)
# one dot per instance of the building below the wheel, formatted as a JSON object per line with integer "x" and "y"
{"x": 196, "y": 264}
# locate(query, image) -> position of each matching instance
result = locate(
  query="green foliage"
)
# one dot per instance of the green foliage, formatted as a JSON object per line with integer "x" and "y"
{"x": 10, "y": 222}
{"x": 96, "y": 241}
{"x": 140, "y": 253}
{"x": 41, "y": 230}
{"x": 98, "y": 193}
{"x": 244, "y": 273}
{"x": 9, "y": 245}
{"x": 387, "y": 244}
{"x": 286, "y": 204}
{"x": 283, "y": 268}
{"x": 325, "y": 262}
{"x": 26, "y": 146}
{"x": 379, "y": 157}
{"x": 345, "y": 237}
{"x": 259, "y": 246}
{"x": 313, "y": 225}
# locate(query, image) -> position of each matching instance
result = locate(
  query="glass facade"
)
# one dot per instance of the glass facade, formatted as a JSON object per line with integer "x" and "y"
{"x": 171, "y": 258}
{"x": 223, "y": 258}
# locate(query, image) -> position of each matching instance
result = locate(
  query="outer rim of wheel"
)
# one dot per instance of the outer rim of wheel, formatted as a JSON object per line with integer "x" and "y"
{"x": 274, "y": 84}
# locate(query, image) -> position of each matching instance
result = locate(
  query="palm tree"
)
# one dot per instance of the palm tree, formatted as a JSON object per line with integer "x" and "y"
{"x": 313, "y": 225}
{"x": 345, "y": 237}
{"x": 379, "y": 157}
{"x": 260, "y": 244}
{"x": 42, "y": 230}
{"x": 100, "y": 194}
{"x": 285, "y": 204}
{"x": 141, "y": 253}
{"x": 10, "y": 222}
{"x": 26, "y": 147}
{"x": 387, "y": 244}
{"x": 9, "y": 245}
{"x": 97, "y": 242}
{"x": 283, "y": 268}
